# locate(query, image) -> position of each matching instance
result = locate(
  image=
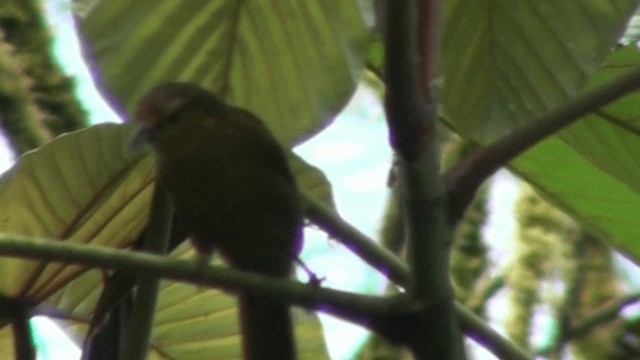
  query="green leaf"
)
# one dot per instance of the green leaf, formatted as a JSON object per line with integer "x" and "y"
{"x": 599, "y": 201}
{"x": 7, "y": 342}
{"x": 81, "y": 187}
{"x": 592, "y": 169}
{"x": 506, "y": 62}
{"x": 294, "y": 63}
{"x": 311, "y": 180}
{"x": 513, "y": 61}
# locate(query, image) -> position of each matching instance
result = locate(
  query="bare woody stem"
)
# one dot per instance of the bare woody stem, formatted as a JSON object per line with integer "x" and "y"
{"x": 410, "y": 56}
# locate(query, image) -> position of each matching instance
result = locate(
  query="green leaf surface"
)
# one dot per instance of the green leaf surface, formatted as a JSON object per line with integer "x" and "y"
{"x": 7, "y": 343}
{"x": 525, "y": 58}
{"x": 506, "y": 62}
{"x": 597, "y": 200}
{"x": 84, "y": 187}
{"x": 311, "y": 179}
{"x": 294, "y": 63}
{"x": 592, "y": 168}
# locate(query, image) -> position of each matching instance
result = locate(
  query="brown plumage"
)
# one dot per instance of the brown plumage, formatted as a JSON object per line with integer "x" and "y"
{"x": 234, "y": 193}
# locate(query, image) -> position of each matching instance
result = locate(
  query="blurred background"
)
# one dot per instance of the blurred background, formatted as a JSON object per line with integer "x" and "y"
{"x": 516, "y": 260}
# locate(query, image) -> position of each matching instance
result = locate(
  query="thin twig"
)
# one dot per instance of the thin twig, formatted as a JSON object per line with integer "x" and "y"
{"x": 487, "y": 289}
{"x": 602, "y": 316}
{"x": 474, "y": 327}
{"x": 363, "y": 246}
{"x": 599, "y": 317}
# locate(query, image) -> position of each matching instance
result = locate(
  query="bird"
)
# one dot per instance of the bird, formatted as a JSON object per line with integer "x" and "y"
{"x": 233, "y": 192}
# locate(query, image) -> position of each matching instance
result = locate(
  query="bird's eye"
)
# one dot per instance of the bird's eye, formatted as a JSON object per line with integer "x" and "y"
{"x": 174, "y": 117}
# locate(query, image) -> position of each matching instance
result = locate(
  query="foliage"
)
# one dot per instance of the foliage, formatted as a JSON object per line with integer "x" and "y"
{"x": 36, "y": 98}
{"x": 504, "y": 65}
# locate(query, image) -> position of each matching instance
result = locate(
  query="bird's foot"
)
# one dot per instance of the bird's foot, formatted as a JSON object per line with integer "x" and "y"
{"x": 314, "y": 279}
{"x": 202, "y": 263}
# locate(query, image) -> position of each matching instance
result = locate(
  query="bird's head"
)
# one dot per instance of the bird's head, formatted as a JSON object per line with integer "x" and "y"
{"x": 170, "y": 116}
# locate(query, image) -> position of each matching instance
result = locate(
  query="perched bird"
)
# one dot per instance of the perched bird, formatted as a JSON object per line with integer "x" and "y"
{"x": 233, "y": 191}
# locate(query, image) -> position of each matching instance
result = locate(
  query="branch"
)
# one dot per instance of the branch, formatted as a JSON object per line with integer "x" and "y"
{"x": 602, "y": 316}
{"x": 16, "y": 311}
{"x": 411, "y": 121}
{"x": 232, "y": 281}
{"x": 367, "y": 249}
{"x": 590, "y": 323}
{"x": 372, "y": 253}
{"x": 474, "y": 327}
{"x": 487, "y": 289}
{"x": 429, "y": 18}
{"x": 23, "y": 338}
{"x": 464, "y": 178}
{"x": 360, "y": 244}
{"x": 339, "y": 303}
{"x": 156, "y": 241}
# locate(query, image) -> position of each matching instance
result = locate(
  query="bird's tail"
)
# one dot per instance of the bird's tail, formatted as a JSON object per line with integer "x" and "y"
{"x": 267, "y": 329}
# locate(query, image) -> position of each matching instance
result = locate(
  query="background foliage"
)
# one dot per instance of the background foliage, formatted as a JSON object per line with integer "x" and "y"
{"x": 296, "y": 64}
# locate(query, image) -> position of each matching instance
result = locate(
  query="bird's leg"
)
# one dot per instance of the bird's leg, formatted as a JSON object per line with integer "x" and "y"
{"x": 314, "y": 280}
{"x": 202, "y": 262}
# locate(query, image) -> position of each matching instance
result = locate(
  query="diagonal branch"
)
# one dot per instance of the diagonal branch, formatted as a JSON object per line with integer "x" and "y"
{"x": 590, "y": 323}
{"x": 390, "y": 265}
{"x": 474, "y": 326}
{"x": 602, "y": 316}
{"x": 463, "y": 179}
{"x": 360, "y": 244}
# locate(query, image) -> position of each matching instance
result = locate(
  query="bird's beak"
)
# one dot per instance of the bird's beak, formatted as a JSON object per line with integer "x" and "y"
{"x": 142, "y": 136}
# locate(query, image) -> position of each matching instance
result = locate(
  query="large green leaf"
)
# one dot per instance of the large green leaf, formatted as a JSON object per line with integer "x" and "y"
{"x": 86, "y": 187}
{"x": 601, "y": 202}
{"x": 507, "y": 61}
{"x": 592, "y": 169}
{"x": 609, "y": 138}
{"x": 82, "y": 187}
{"x": 294, "y": 63}
{"x": 524, "y": 58}
{"x": 7, "y": 343}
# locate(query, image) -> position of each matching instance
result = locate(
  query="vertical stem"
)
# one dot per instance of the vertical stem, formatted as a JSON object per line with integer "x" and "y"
{"x": 23, "y": 337}
{"x": 156, "y": 241}
{"x": 429, "y": 17}
{"x": 411, "y": 120}
{"x": 428, "y": 234}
